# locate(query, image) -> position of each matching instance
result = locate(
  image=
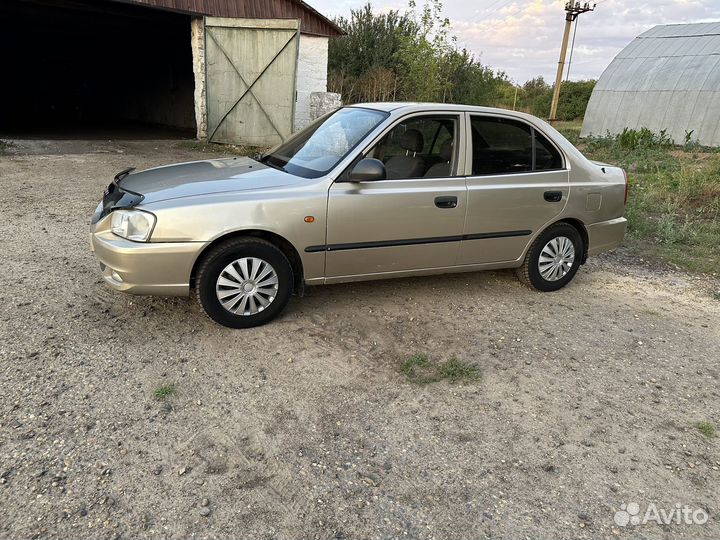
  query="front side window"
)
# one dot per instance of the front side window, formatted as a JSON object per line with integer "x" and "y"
{"x": 419, "y": 147}
{"x": 318, "y": 148}
{"x": 505, "y": 146}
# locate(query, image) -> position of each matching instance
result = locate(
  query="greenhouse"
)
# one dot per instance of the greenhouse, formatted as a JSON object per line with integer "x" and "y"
{"x": 668, "y": 79}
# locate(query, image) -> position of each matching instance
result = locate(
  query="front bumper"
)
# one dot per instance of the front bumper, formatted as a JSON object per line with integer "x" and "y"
{"x": 145, "y": 268}
{"x": 606, "y": 235}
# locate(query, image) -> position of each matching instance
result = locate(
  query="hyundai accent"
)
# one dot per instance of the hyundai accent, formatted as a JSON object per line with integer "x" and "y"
{"x": 370, "y": 191}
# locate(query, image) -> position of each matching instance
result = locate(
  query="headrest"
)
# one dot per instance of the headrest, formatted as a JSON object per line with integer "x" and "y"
{"x": 412, "y": 140}
{"x": 446, "y": 150}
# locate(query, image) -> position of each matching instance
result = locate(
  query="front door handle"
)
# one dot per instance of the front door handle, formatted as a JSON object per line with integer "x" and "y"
{"x": 446, "y": 202}
{"x": 553, "y": 196}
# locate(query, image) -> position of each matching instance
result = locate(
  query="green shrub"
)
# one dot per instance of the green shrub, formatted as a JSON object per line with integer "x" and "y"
{"x": 673, "y": 209}
{"x": 632, "y": 139}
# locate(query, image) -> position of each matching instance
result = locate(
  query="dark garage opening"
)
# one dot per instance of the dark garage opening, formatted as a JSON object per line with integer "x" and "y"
{"x": 95, "y": 69}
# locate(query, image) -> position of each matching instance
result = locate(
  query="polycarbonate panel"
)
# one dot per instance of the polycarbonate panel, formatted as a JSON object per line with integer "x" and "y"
{"x": 712, "y": 45}
{"x": 679, "y": 110}
{"x": 631, "y": 50}
{"x": 712, "y": 81}
{"x": 644, "y": 79}
{"x": 619, "y": 78}
{"x": 707, "y": 113}
{"x": 697, "y": 70}
{"x": 671, "y": 47}
{"x": 630, "y": 112}
{"x": 603, "y": 83}
{"x": 668, "y": 76}
{"x": 612, "y": 101}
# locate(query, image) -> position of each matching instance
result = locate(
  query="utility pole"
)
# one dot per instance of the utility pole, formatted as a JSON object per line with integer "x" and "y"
{"x": 572, "y": 10}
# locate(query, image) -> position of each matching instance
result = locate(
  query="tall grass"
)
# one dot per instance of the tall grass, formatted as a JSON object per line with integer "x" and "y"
{"x": 674, "y": 204}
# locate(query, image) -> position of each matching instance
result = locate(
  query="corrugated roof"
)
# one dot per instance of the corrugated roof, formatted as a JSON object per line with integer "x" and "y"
{"x": 311, "y": 21}
{"x": 666, "y": 78}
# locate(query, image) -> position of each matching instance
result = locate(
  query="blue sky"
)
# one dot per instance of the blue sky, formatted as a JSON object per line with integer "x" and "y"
{"x": 523, "y": 38}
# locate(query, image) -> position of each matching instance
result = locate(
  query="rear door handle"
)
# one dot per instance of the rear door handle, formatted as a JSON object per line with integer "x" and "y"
{"x": 553, "y": 196}
{"x": 446, "y": 202}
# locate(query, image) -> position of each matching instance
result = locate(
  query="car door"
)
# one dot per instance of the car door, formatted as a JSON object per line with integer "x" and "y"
{"x": 517, "y": 185}
{"x": 414, "y": 218}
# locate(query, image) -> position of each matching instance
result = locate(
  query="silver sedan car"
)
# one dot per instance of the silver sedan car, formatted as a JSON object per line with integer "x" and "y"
{"x": 370, "y": 191}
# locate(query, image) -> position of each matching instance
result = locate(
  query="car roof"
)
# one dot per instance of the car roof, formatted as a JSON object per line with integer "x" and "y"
{"x": 391, "y": 106}
{"x": 402, "y": 108}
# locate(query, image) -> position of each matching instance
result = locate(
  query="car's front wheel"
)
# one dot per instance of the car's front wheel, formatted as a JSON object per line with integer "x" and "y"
{"x": 244, "y": 282}
{"x": 553, "y": 259}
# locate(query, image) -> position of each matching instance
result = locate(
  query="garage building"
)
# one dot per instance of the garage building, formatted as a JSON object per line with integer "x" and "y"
{"x": 668, "y": 79}
{"x": 239, "y": 71}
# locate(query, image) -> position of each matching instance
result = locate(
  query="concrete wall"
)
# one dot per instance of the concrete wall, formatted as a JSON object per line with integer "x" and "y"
{"x": 311, "y": 75}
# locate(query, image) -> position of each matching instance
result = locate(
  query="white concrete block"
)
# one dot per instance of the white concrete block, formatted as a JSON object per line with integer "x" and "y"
{"x": 311, "y": 75}
{"x": 197, "y": 42}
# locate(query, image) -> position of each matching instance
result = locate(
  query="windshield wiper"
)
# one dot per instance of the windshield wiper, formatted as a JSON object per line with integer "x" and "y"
{"x": 267, "y": 160}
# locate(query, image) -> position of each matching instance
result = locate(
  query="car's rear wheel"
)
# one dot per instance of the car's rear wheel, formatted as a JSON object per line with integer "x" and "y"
{"x": 244, "y": 282}
{"x": 553, "y": 259}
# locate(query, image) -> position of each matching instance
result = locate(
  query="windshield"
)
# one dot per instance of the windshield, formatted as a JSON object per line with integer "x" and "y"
{"x": 315, "y": 150}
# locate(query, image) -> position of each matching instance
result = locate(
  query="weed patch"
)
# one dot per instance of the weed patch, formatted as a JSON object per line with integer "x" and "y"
{"x": 164, "y": 391}
{"x": 673, "y": 209}
{"x": 706, "y": 428}
{"x": 419, "y": 369}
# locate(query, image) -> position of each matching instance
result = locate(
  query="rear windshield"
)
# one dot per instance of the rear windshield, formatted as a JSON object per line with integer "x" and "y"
{"x": 316, "y": 150}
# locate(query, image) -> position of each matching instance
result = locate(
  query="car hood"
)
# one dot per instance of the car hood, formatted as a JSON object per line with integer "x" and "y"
{"x": 203, "y": 178}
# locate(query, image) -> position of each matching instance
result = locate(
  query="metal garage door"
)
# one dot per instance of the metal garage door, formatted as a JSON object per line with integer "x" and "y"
{"x": 251, "y": 68}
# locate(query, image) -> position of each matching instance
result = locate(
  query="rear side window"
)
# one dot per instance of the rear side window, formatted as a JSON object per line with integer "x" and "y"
{"x": 504, "y": 146}
{"x": 547, "y": 157}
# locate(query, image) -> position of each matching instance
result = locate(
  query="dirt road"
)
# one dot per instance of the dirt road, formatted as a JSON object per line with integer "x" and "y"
{"x": 587, "y": 399}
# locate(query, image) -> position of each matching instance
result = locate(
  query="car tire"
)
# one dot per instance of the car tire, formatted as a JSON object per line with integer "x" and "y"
{"x": 556, "y": 245}
{"x": 244, "y": 282}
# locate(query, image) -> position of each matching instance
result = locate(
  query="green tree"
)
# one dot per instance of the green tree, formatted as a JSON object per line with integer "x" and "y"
{"x": 574, "y": 97}
{"x": 370, "y": 44}
{"x": 420, "y": 52}
{"x": 413, "y": 56}
{"x": 536, "y": 96}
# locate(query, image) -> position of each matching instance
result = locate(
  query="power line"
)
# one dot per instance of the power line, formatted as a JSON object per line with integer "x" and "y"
{"x": 572, "y": 49}
{"x": 518, "y": 11}
{"x": 474, "y": 18}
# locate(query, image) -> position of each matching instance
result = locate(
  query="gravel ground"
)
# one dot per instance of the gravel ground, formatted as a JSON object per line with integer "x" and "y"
{"x": 587, "y": 399}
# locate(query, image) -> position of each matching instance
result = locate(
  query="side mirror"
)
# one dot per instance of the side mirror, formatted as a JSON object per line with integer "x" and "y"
{"x": 368, "y": 170}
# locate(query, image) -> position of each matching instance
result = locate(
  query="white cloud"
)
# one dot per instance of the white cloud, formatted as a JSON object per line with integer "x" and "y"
{"x": 523, "y": 38}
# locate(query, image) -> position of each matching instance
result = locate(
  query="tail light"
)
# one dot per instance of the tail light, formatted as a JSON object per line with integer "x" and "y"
{"x": 626, "y": 185}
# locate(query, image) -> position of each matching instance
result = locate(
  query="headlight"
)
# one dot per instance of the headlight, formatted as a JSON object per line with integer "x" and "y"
{"x": 134, "y": 225}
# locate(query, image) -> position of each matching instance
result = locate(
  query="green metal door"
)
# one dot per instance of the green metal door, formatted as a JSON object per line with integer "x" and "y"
{"x": 251, "y": 67}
